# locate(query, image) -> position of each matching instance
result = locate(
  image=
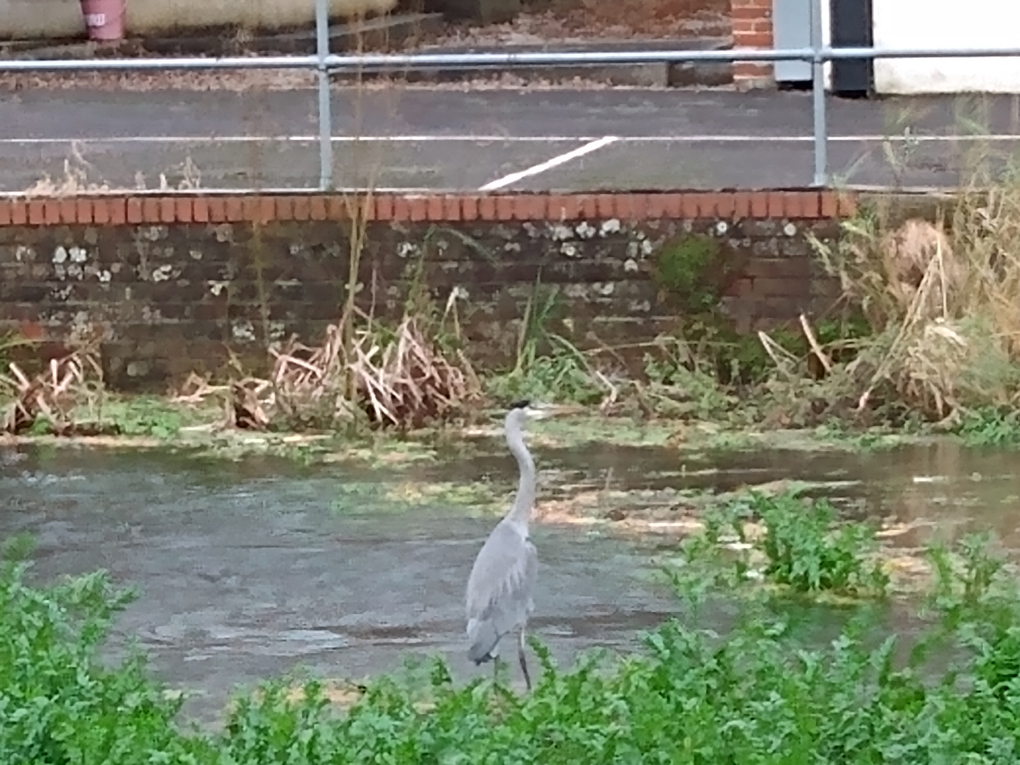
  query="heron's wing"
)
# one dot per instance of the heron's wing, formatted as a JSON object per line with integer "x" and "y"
{"x": 499, "y": 589}
{"x": 530, "y": 573}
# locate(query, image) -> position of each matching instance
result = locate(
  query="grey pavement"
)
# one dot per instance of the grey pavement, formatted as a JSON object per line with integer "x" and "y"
{"x": 447, "y": 139}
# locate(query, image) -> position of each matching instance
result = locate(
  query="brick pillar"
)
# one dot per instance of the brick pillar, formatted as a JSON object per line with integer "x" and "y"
{"x": 752, "y": 28}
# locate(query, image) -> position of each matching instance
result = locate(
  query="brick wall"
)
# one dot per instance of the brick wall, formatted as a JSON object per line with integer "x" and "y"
{"x": 175, "y": 282}
{"x": 752, "y": 28}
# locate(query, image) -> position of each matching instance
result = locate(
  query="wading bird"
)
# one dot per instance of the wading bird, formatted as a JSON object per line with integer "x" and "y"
{"x": 503, "y": 577}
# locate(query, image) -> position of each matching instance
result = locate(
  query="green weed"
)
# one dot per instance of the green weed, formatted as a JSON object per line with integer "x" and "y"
{"x": 685, "y": 695}
{"x": 141, "y": 416}
{"x": 789, "y": 542}
{"x": 990, "y": 426}
{"x": 548, "y": 366}
{"x": 373, "y": 498}
{"x": 562, "y": 376}
{"x": 807, "y": 553}
{"x": 58, "y": 702}
{"x": 693, "y": 270}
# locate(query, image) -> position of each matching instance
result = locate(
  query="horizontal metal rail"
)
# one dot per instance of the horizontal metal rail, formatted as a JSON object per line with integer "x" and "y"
{"x": 413, "y": 61}
{"x": 324, "y": 62}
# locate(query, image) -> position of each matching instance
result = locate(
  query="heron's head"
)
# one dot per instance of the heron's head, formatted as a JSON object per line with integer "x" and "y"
{"x": 526, "y": 410}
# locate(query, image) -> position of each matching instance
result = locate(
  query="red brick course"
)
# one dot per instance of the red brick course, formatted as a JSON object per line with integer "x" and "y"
{"x": 631, "y": 207}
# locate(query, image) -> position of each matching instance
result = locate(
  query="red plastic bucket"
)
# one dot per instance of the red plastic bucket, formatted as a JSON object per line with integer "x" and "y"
{"x": 104, "y": 19}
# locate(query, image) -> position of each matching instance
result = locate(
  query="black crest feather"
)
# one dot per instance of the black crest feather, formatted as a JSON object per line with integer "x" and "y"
{"x": 522, "y": 404}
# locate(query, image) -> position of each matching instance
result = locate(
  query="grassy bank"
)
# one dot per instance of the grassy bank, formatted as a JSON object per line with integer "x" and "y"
{"x": 923, "y": 340}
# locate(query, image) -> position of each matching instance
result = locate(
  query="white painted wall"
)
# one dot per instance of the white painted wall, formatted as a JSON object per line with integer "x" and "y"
{"x": 42, "y": 19}
{"x": 950, "y": 24}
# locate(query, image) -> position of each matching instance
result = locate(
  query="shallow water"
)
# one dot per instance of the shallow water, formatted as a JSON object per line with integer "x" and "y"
{"x": 248, "y": 570}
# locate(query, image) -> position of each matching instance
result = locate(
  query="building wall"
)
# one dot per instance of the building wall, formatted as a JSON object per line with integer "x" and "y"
{"x": 42, "y": 19}
{"x": 173, "y": 284}
{"x": 753, "y": 28}
{"x": 950, "y": 24}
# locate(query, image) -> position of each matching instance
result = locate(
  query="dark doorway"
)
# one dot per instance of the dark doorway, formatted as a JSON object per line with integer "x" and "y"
{"x": 851, "y": 27}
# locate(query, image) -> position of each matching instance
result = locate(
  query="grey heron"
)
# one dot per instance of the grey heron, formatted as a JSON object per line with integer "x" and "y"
{"x": 499, "y": 590}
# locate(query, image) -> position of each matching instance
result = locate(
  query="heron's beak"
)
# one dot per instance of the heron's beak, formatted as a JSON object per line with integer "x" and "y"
{"x": 547, "y": 411}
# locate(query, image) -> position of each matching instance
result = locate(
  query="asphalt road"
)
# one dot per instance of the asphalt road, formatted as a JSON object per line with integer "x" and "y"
{"x": 418, "y": 138}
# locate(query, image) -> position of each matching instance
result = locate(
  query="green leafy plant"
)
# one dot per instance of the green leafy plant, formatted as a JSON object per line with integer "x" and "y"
{"x": 58, "y": 701}
{"x": 990, "y": 426}
{"x": 758, "y": 692}
{"x": 808, "y": 553}
{"x": 693, "y": 270}
{"x": 141, "y": 416}
{"x": 682, "y": 385}
{"x": 547, "y": 365}
{"x": 787, "y": 541}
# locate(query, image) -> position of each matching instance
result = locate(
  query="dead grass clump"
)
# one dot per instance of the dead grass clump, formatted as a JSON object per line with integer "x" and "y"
{"x": 943, "y": 302}
{"x": 408, "y": 381}
{"x": 399, "y": 378}
{"x": 307, "y": 387}
{"x": 52, "y": 394}
{"x": 79, "y": 173}
{"x": 75, "y": 180}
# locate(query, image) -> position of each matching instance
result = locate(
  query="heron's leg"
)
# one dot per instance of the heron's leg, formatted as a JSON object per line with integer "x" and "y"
{"x": 524, "y": 661}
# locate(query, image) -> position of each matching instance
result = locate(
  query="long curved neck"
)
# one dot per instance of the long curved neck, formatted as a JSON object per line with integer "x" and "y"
{"x": 520, "y": 512}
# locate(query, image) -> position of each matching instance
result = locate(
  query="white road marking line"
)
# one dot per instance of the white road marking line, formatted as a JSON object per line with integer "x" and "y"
{"x": 549, "y": 164}
{"x": 293, "y": 139}
{"x": 242, "y": 191}
{"x": 810, "y": 139}
{"x": 156, "y": 139}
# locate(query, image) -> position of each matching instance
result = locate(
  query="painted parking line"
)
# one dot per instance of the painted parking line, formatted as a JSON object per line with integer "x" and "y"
{"x": 549, "y": 164}
{"x": 415, "y": 164}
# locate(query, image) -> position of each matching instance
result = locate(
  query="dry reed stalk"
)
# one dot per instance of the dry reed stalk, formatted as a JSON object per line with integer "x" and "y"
{"x": 52, "y": 394}
{"x": 816, "y": 348}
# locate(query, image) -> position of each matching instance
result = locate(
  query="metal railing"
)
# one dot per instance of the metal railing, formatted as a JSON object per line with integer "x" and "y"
{"x": 325, "y": 62}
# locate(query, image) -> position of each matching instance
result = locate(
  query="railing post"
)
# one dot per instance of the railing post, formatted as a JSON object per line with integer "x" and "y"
{"x": 325, "y": 108}
{"x": 818, "y": 96}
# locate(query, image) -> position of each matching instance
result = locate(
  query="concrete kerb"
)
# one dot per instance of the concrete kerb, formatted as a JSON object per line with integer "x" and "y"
{"x": 662, "y": 74}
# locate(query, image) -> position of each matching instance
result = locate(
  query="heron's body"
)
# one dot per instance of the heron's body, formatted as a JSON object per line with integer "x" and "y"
{"x": 499, "y": 590}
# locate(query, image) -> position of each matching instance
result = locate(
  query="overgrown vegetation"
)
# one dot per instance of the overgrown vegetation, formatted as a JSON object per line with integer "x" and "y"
{"x": 788, "y": 542}
{"x": 68, "y": 398}
{"x": 763, "y": 691}
{"x": 57, "y": 701}
{"x": 940, "y": 302}
{"x": 547, "y": 364}
{"x": 367, "y": 371}
{"x": 990, "y": 426}
{"x": 923, "y": 338}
